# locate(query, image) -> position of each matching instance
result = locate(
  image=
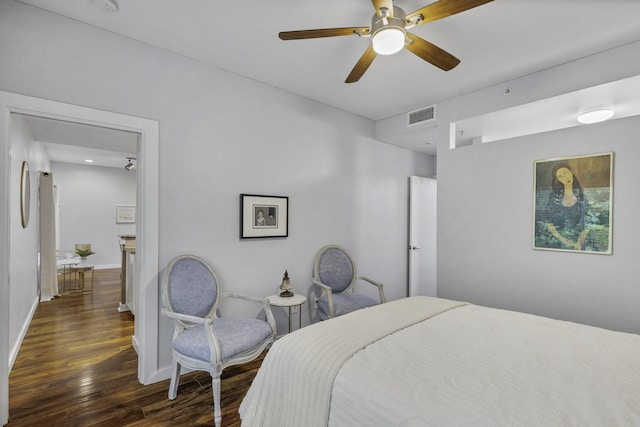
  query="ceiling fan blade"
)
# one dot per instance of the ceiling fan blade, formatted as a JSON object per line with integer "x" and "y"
{"x": 379, "y": 4}
{"x": 361, "y": 66}
{"x": 323, "y": 32}
{"x": 443, "y": 8}
{"x": 431, "y": 53}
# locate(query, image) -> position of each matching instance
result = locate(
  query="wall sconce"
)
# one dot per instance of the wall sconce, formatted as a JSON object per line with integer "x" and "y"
{"x": 130, "y": 165}
{"x": 285, "y": 287}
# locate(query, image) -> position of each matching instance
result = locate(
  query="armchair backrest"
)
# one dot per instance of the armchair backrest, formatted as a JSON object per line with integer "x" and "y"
{"x": 335, "y": 268}
{"x": 190, "y": 286}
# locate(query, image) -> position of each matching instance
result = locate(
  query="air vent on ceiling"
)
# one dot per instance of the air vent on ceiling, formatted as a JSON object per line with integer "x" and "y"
{"x": 422, "y": 115}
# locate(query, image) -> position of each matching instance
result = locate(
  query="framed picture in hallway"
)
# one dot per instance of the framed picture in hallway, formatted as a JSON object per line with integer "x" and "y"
{"x": 125, "y": 214}
{"x": 263, "y": 216}
{"x": 572, "y": 203}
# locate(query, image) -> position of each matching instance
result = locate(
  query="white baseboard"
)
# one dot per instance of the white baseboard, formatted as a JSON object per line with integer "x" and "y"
{"x": 107, "y": 266}
{"x": 161, "y": 374}
{"x": 23, "y": 332}
{"x": 135, "y": 344}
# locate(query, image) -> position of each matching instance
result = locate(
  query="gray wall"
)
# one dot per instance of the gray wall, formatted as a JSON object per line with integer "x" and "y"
{"x": 497, "y": 265}
{"x": 87, "y": 197}
{"x": 222, "y": 135}
{"x": 24, "y": 242}
{"x": 485, "y": 206}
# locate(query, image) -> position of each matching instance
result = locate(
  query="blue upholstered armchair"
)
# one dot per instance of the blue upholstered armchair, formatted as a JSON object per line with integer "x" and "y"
{"x": 201, "y": 339}
{"x": 334, "y": 271}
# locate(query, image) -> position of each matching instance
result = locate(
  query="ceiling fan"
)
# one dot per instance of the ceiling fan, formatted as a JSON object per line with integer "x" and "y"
{"x": 388, "y": 32}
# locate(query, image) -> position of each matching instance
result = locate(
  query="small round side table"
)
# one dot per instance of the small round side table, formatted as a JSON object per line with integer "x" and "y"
{"x": 79, "y": 270}
{"x": 295, "y": 300}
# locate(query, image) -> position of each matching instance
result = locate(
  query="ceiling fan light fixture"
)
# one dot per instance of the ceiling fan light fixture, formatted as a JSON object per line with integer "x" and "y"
{"x": 388, "y": 40}
{"x": 595, "y": 116}
{"x": 388, "y": 32}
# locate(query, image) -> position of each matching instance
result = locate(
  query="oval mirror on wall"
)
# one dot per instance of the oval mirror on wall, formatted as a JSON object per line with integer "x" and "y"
{"x": 25, "y": 194}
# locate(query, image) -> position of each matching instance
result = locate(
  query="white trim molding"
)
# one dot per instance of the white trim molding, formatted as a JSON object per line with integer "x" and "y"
{"x": 146, "y": 323}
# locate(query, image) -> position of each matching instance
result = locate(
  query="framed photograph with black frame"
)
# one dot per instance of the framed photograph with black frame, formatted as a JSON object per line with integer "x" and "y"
{"x": 263, "y": 216}
{"x": 573, "y": 204}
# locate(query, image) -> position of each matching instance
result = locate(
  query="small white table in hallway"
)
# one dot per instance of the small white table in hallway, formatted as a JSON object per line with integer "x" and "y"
{"x": 79, "y": 268}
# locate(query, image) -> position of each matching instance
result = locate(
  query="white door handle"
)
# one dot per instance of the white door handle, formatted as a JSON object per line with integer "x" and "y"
{"x": 413, "y": 248}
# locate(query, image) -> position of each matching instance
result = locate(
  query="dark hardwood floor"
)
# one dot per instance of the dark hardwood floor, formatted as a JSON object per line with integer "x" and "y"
{"x": 76, "y": 367}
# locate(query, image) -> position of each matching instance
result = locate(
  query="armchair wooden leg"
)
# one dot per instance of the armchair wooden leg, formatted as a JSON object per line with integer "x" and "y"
{"x": 217, "y": 413}
{"x": 175, "y": 379}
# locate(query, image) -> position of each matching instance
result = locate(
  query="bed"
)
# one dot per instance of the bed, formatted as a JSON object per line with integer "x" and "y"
{"x": 425, "y": 361}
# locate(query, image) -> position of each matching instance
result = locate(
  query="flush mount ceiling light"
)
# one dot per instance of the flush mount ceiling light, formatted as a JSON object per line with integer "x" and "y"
{"x": 129, "y": 165}
{"x": 108, "y": 6}
{"x": 595, "y": 116}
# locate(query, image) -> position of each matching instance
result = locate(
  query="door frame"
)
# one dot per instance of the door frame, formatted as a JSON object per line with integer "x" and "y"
{"x": 145, "y": 339}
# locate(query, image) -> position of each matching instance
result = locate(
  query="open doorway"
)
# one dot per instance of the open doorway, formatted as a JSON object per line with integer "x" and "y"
{"x": 145, "y": 339}
{"x": 88, "y": 172}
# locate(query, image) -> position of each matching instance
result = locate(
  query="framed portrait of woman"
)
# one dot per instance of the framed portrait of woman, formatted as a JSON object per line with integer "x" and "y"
{"x": 572, "y": 204}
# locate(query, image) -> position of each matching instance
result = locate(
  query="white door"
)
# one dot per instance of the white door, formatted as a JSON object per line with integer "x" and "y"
{"x": 422, "y": 236}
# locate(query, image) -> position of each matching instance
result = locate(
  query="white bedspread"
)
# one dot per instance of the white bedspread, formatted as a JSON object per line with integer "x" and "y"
{"x": 464, "y": 366}
{"x": 293, "y": 386}
{"x": 476, "y": 366}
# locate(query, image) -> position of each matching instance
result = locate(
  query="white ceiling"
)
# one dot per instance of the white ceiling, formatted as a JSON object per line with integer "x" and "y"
{"x": 496, "y": 42}
{"x": 76, "y": 143}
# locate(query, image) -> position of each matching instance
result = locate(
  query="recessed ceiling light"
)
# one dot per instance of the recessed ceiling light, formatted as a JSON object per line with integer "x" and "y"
{"x": 595, "y": 116}
{"x": 88, "y": 161}
{"x": 108, "y": 6}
